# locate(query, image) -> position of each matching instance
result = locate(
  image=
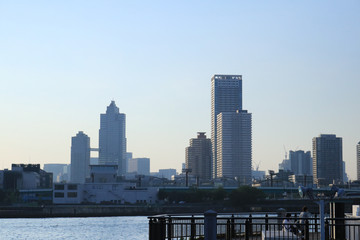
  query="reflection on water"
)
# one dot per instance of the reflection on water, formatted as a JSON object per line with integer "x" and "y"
{"x": 129, "y": 228}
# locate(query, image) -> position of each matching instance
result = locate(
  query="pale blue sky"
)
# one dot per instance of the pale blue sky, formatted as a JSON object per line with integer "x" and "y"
{"x": 61, "y": 63}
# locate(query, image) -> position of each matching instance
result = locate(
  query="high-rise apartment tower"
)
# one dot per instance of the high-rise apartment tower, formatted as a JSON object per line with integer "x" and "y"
{"x": 234, "y": 146}
{"x": 327, "y": 160}
{"x": 198, "y": 157}
{"x": 226, "y": 96}
{"x": 112, "y": 138}
{"x": 300, "y": 162}
{"x": 80, "y": 158}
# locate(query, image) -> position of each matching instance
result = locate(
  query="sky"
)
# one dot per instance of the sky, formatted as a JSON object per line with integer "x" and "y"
{"x": 62, "y": 62}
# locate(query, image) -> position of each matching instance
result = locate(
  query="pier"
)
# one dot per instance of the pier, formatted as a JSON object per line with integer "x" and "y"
{"x": 256, "y": 226}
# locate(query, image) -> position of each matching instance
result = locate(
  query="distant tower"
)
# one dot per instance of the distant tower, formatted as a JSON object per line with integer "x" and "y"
{"x": 234, "y": 147}
{"x": 198, "y": 157}
{"x": 112, "y": 138}
{"x": 327, "y": 160}
{"x": 80, "y": 158}
{"x": 226, "y": 96}
{"x": 300, "y": 162}
{"x": 358, "y": 160}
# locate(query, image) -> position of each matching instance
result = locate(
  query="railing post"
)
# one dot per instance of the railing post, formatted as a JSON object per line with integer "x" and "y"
{"x": 233, "y": 226}
{"x": 247, "y": 229}
{"x": 151, "y": 230}
{"x": 210, "y": 228}
{"x": 193, "y": 228}
{"x": 327, "y": 230}
{"x": 266, "y": 222}
{"x": 169, "y": 228}
{"x": 162, "y": 229}
{"x": 315, "y": 222}
{"x": 228, "y": 230}
{"x": 306, "y": 228}
{"x": 251, "y": 227}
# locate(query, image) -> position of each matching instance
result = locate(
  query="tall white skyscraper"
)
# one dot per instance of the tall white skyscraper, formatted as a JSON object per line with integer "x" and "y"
{"x": 80, "y": 158}
{"x": 112, "y": 138}
{"x": 226, "y": 97}
{"x": 234, "y": 145}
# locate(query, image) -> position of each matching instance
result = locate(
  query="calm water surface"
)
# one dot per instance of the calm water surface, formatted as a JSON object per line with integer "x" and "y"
{"x": 126, "y": 228}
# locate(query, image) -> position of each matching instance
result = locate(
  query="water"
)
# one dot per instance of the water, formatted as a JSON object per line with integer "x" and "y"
{"x": 127, "y": 228}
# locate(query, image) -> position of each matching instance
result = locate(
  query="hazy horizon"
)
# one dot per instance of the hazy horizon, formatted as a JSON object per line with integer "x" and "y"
{"x": 61, "y": 64}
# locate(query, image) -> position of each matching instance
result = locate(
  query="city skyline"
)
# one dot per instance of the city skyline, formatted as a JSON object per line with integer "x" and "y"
{"x": 61, "y": 63}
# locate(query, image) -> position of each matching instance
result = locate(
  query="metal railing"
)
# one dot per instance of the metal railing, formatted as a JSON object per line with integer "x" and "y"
{"x": 234, "y": 227}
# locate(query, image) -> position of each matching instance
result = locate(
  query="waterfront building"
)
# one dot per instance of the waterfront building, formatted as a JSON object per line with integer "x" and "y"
{"x": 103, "y": 193}
{"x": 358, "y": 160}
{"x": 80, "y": 158}
{"x": 139, "y": 166}
{"x": 112, "y": 138}
{"x": 226, "y": 96}
{"x": 25, "y": 177}
{"x": 327, "y": 160}
{"x": 234, "y": 146}
{"x": 103, "y": 173}
{"x": 198, "y": 157}
{"x": 300, "y": 162}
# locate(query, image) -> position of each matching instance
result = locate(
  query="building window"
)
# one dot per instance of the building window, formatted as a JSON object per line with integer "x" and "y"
{"x": 59, "y": 187}
{"x": 72, "y": 187}
{"x": 72, "y": 194}
{"x": 59, "y": 194}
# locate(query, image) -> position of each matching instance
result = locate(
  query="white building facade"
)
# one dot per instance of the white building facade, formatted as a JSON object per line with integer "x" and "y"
{"x": 226, "y": 96}
{"x": 80, "y": 158}
{"x": 112, "y": 138}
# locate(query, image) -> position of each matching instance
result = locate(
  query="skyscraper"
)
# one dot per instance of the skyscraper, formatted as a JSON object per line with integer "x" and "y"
{"x": 358, "y": 160}
{"x": 198, "y": 157}
{"x": 226, "y": 96}
{"x": 300, "y": 162}
{"x": 234, "y": 145}
{"x": 80, "y": 158}
{"x": 112, "y": 138}
{"x": 327, "y": 159}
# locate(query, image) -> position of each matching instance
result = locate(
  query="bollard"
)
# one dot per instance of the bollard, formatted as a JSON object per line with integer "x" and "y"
{"x": 210, "y": 229}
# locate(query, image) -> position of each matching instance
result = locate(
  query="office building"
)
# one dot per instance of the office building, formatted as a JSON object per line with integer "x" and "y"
{"x": 112, "y": 138}
{"x": 300, "y": 162}
{"x": 358, "y": 160}
{"x": 226, "y": 96}
{"x": 80, "y": 158}
{"x": 198, "y": 157}
{"x": 139, "y": 166}
{"x": 327, "y": 160}
{"x": 234, "y": 147}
